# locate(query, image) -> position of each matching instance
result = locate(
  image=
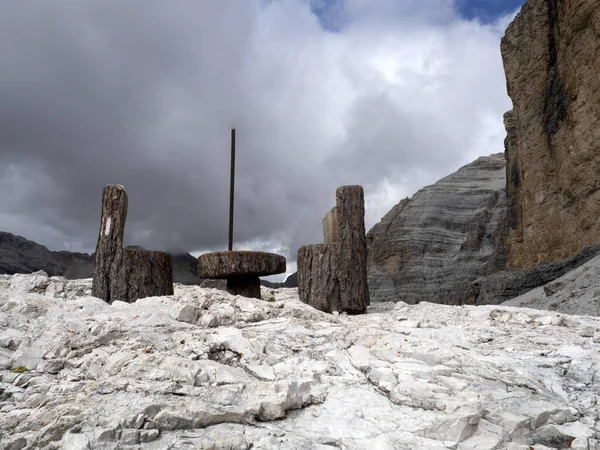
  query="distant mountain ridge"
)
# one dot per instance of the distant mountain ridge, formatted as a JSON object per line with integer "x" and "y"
{"x": 20, "y": 255}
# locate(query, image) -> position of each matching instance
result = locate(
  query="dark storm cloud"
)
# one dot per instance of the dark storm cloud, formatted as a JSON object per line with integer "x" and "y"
{"x": 144, "y": 93}
{"x": 138, "y": 93}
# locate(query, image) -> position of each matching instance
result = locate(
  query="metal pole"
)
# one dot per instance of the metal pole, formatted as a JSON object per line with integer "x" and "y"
{"x": 231, "y": 189}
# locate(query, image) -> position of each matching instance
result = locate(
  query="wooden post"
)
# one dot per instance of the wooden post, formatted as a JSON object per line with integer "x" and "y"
{"x": 350, "y": 209}
{"x": 126, "y": 274}
{"x": 231, "y": 189}
{"x": 109, "y": 249}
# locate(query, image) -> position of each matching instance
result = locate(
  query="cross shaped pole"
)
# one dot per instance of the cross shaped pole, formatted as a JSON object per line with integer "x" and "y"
{"x": 231, "y": 189}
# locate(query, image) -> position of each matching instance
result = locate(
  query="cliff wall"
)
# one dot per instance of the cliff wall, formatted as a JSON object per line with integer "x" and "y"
{"x": 551, "y": 55}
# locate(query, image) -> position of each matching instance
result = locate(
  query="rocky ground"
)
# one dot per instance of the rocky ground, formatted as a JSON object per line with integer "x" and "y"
{"x": 206, "y": 370}
{"x": 577, "y": 292}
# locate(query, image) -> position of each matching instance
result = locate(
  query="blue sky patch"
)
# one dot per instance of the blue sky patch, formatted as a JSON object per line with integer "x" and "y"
{"x": 332, "y": 16}
{"x": 487, "y": 10}
{"x": 330, "y": 13}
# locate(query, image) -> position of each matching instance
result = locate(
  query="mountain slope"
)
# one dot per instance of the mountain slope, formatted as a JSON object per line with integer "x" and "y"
{"x": 19, "y": 255}
{"x": 432, "y": 246}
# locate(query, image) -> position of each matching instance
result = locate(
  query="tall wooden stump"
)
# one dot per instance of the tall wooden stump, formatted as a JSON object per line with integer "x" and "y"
{"x": 143, "y": 274}
{"x": 126, "y": 274}
{"x": 318, "y": 280}
{"x": 354, "y": 291}
{"x": 333, "y": 276}
{"x": 109, "y": 249}
{"x": 331, "y": 227}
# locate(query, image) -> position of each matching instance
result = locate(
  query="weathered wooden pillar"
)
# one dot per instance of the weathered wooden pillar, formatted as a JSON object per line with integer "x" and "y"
{"x": 109, "y": 249}
{"x": 350, "y": 208}
{"x": 143, "y": 274}
{"x": 333, "y": 276}
{"x": 331, "y": 227}
{"x": 318, "y": 282}
{"x": 126, "y": 274}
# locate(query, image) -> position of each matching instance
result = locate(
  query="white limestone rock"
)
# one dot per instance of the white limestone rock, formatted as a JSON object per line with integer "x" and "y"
{"x": 158, "y": 374}
{"x": 26, "y": 283}
{"x": 576, "y": 292}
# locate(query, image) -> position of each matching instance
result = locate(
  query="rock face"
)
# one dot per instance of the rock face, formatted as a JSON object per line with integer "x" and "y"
{"x": 551, "y": 54}
{"x": 432, "y": 246}
{"x": 576, "y": 292}
{"x": 500, "y": 286}
{"x": 291, "y": 281}
{"x": 206, "y": 370}
{"x": 185, "y": 268}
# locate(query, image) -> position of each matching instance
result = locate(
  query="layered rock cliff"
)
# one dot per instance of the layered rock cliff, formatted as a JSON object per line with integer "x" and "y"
{"x": 432, "y": 246}
{"x": 551, "y": 55}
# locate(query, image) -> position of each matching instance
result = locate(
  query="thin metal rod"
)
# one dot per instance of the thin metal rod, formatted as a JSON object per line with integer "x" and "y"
{"x": 231, "y": 189}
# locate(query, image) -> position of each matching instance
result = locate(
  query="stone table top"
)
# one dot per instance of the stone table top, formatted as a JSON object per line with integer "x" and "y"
{"x": 240, "y": 263}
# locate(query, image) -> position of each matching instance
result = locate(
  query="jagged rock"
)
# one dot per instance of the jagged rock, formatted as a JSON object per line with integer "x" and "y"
{"x": 36, "y": 282}
{"x": 432, "y": 246}
{"x": 575, "y": 292}
{"x": 551, "y": 54}
{"x": 205, "y": 369}
{"x": 507, "y": 284}
{"x": 126, "y": 274}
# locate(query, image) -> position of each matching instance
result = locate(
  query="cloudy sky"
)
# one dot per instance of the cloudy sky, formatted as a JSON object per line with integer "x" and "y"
{"x": 389, "y": 94}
